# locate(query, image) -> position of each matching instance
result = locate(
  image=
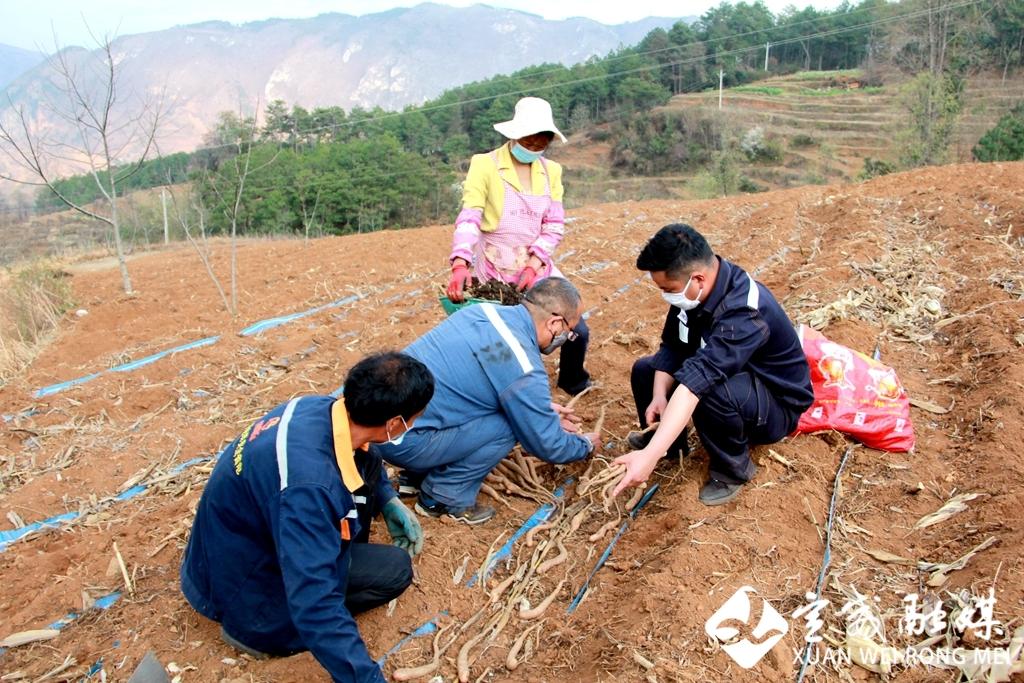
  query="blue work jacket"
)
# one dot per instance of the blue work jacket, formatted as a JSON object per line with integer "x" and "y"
{"x": 268, "y": 556}
{"x": 485, "y": 360}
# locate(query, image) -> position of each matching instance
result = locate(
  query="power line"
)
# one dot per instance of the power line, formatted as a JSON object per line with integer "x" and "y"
{"x": 734, "y": 52}
{"x": 599, "y": 77}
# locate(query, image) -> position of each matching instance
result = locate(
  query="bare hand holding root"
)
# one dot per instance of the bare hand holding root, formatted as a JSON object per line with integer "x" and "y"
{"x": 639, "y": 465}
{"x": 568, "y": 418}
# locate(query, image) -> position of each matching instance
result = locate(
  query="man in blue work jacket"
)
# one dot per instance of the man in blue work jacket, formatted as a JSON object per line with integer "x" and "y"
{"x": 729, "y": 358}
{"x": 491, "y": 391}
{"x": 278, "y": 552}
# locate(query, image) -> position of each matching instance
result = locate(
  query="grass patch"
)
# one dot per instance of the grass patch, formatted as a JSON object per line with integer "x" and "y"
{"x": 818, "y": 75}
{"x": 759, "y": 90}
{"x": 836, "y": 92}
{"x": 802, "y": 141}
{"x": 33, "y": 298}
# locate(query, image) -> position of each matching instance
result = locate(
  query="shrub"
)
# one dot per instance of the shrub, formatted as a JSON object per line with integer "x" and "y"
{"x": 802, "y": 141}
{"x": 748, "y": 185}
{"x": 1005, "y": 141}
{"x": 758, "y": 148}
{"x": 875, "y": 167}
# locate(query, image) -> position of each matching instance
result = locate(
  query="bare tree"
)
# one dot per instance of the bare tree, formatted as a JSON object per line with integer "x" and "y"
{"x": 228, "y": 186}
{"x": 191, "y": 216}
{"x": 107, "y": 134}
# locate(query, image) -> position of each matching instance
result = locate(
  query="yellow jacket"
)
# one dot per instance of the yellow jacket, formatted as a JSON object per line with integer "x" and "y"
{"x": 484, "y": 187}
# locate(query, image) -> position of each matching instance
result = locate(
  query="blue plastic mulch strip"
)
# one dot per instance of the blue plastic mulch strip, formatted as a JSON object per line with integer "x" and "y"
{"x": 425, "y": 629}
{"x": 94, "y": 669}
{"x": 135, "y": 364}
{"x": 101, "y": 603}
{"x": 255, "y": 328}
{"x": 9, "y": 536}
{"x": 25, "y": 413}
{"x": 271, "y": 323}
{"x": 338, "y": 392}
{"x": 132, "y": 365}
{"x": 61, "y": 386}
{"x": 608, "y": 551}
{"x": 538, "y": 517}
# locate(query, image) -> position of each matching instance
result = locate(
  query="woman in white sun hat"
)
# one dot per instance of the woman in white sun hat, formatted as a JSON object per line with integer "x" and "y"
{"x": 512, "y": 220}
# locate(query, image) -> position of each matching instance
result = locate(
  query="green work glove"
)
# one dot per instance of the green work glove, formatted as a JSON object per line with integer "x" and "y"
{"x": 403, "y": 526}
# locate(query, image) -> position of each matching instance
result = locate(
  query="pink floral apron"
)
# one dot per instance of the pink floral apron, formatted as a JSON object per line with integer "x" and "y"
{"x": 503, "y": 253}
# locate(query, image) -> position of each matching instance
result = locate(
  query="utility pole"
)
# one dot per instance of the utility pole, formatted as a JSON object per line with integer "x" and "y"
{"x": 721, "y": 78}
{"x": 163, "y": 200}
{"x": 767, "y": 49}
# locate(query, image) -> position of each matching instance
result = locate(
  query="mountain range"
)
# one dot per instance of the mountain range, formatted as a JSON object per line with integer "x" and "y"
{"x": 389, "y": 59}
{"x": 14, "y": 61}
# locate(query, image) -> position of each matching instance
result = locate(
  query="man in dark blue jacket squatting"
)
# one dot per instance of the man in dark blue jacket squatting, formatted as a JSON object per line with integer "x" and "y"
{"x": 729, "y": 358}
{"x": 278, "y": 552}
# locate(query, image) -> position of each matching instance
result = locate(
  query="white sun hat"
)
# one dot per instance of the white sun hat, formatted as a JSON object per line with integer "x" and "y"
{"x": 533, "y": 115}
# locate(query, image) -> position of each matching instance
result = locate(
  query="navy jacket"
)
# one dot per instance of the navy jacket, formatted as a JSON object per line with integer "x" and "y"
{"x": 740, "y": 327}
{"x": 485, "y": 360}
{"x": 268, "y": 555}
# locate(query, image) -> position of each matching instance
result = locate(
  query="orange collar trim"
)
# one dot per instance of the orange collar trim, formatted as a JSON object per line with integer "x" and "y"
{"x": 343, "y": 451}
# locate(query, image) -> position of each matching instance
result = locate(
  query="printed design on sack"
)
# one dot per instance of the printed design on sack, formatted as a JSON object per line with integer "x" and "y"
{"x": 885, "y": 384}
{"x": 835, "y": 365}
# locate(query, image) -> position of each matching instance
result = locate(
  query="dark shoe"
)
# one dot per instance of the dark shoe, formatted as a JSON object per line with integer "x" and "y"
{"x": 719, "y": 493}
{"x": 242, "y": 647}
{"x": 639, "y": 440}
{"x": 576, "y": 388}
{"x": 409, "y": 483}
{"x": 680, "y": 449}
{"x": 475, "y": 514}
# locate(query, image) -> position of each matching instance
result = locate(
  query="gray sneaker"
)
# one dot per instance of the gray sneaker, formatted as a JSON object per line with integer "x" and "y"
{"x": 475, "y": 514}
{"x": 718, "y": 492}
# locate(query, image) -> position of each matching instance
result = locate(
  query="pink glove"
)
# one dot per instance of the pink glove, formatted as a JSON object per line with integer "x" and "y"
{"x": 526, "y": 278}
{"x": 459, "y": 280}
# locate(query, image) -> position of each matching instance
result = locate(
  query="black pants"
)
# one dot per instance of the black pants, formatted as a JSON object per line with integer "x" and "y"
{"x": 734, "y": 415}
{"x": 378, "y": 574}
{"x": 572, "y": 376}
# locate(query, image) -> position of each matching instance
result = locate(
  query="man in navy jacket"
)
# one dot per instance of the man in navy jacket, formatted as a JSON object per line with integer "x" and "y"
{"x": 729, "y": 358}
{"x": 278, "y": 552}
{"x": 492, "y": 391}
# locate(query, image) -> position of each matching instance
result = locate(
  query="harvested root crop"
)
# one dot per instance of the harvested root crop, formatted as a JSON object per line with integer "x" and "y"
{"x": 528, "y": 613}
{"x": 512, "y": 661}
{"x": 558, "y": 559}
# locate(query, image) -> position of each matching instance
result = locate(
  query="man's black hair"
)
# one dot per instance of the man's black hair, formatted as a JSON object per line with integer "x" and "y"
{"x": 387, "y": 384}
{"x": 675, "y": 249}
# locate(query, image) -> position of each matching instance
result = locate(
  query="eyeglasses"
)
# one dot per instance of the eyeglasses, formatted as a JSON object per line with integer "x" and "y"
{"x": 570, "y": 335}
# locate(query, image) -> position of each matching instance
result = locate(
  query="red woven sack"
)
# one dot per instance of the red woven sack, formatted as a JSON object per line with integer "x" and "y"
{"x": 856, "y": 395}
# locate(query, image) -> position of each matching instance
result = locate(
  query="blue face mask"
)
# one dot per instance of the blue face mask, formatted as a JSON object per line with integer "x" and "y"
{"x": 524, "y": 155}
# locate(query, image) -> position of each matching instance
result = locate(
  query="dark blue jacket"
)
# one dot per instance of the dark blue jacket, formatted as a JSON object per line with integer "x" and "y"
{"x": 268, "y": 555}
{"x": 740, "y": 327}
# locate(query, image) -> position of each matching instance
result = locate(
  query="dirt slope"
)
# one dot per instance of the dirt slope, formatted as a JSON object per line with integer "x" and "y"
{"x": 891, "y": 242}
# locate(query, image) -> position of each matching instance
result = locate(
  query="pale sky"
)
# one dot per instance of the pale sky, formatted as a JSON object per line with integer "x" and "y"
{"x": 30, "y": 24}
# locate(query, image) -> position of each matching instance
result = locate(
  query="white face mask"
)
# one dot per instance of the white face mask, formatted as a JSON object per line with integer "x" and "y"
{"x": 397, "y": 441}
{"x": 680, "y": 300}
